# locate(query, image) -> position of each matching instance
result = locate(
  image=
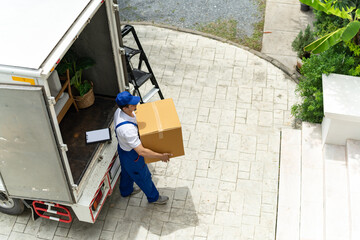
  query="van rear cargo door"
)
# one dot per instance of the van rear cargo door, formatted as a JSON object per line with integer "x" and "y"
{"x": 31, "y": 166}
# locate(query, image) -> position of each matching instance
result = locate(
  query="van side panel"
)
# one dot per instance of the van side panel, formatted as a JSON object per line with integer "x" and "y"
{"x": 95, "y": 42}
{"x": 30, "y": 163}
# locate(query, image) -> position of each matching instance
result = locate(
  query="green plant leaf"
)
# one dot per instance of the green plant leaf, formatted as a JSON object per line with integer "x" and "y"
{"x": 350, "y": 31}
{"x": 75, "y": 80}
{"x": 329, "y": 9}
{"x": 357, "y": 13}
{"x": 315, "y": 4}
{"x": 335, "y": 60}
{"x": 325, "y": 42}
{"x": 70, "y": 56}
{"x": 84, "y": 88}
{"x": 340, "y": 4}
{"x": 303, "y": 39}
{"x": 341, "y": 13}
{"x": 62, "y": 67}
{"x": 346, "y": 14}
{"x": 76, "y": 66}
{"x": 85, "y": 63}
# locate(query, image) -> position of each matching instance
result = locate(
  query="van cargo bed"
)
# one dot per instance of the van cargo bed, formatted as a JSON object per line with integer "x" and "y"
{"x": 73, "y": 128}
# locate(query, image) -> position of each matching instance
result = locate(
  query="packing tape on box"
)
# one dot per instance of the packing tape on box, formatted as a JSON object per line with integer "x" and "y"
{"x": 158, "y": 121}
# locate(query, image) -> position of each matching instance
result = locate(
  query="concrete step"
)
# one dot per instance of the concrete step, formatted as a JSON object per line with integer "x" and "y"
{"x": 288, "y": 218}
{"x": 353, "y": 167}
{"x": 319, "y": 187}
{"x": 336, "y": 193}
{"x": 312, "y": 184}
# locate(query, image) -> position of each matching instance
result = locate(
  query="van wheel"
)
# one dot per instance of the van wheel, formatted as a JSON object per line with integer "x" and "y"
{"x": 12, "y": 206}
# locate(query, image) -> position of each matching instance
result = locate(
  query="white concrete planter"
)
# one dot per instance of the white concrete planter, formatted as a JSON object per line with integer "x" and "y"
{"x": 341, "y": 109}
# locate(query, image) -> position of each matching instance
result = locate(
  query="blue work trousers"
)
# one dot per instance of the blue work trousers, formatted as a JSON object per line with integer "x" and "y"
{"x": 134, "y": 169}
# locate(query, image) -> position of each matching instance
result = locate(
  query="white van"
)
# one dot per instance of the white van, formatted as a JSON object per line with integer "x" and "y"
{"x": 46, "y": 164}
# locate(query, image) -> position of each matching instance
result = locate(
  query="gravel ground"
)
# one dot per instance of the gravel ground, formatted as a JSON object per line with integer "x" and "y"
{"x": 191, "y": 13}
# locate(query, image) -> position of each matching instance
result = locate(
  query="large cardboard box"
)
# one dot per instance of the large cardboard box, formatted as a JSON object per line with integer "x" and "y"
{"x": 160, "y": 128}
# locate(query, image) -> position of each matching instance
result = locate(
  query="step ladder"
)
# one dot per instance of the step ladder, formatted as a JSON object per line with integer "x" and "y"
{"x": 137, "y": 76}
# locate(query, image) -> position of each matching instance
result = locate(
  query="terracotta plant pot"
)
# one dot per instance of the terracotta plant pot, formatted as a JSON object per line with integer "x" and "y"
{"x": 298, "y": 65}
{"x": 85, "y": 101}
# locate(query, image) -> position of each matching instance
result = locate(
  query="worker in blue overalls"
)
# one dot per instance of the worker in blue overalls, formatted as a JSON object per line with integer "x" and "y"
{"x": 132, "y": 153}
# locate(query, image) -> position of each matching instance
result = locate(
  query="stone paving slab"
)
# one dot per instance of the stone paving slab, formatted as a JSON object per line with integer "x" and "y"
{"x": 288, "y": 11}
{"x": 285, "y": 48}
{"x": 232, "y": 105}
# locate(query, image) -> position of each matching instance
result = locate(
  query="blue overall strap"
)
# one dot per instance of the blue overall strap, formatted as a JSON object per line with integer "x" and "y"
{"x": 126, "y": 122}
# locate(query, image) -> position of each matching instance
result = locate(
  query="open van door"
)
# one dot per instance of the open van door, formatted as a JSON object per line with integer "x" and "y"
{"x": 31, "y": 165}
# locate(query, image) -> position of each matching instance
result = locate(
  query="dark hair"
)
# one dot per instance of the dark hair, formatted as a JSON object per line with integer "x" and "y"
{"x": 123, "y": 106}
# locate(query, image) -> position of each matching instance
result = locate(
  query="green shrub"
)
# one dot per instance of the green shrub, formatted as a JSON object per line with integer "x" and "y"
{"x": 325, "y": 24}
{"x": 337, "y": 59}
{"x": 302, "y": 40}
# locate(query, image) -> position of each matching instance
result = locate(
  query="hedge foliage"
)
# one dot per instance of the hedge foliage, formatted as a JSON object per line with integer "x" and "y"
{"x": 342, "y": 58}
{"x": 336, "y": 60}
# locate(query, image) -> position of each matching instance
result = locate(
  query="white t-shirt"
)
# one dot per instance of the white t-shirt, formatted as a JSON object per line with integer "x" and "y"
{"x": 127, "y": 134}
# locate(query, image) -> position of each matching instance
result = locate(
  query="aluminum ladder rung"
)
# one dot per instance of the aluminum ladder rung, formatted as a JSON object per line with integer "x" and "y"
{"x": 150, "y": 94}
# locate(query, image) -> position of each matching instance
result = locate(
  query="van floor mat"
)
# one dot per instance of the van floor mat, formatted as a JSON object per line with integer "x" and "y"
{"x": 74, "y": 126}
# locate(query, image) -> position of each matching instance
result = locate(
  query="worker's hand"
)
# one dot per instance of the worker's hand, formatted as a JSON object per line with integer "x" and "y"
{"x": 165, "y": 157}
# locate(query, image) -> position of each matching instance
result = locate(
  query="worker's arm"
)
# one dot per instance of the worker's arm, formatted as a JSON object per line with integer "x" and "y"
{"x": 147, "y": 153}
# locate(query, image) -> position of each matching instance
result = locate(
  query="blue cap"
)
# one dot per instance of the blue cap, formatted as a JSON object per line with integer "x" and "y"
{"x": 125, "y": 98}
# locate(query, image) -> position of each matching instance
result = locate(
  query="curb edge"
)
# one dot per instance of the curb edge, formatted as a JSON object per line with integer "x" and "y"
{"x": 290, "y": 73}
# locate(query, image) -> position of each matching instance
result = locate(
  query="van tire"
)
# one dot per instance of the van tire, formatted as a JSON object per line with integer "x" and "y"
{"x": 12, "y": 206}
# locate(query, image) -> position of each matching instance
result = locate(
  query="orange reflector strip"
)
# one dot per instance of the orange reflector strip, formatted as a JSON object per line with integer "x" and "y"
{"x": 21, "y": 79}
{"x": 97, "y": 200}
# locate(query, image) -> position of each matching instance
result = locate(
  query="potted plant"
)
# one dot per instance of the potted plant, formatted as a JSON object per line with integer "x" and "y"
{"x": 83, "y": 94}
{"x": 304, "y": 7}
{"x": 300, "y": 42}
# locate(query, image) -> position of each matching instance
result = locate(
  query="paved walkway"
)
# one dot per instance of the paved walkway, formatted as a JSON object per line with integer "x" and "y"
{"x": 283, "y": 22}
{"x": 232, "y": 105}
